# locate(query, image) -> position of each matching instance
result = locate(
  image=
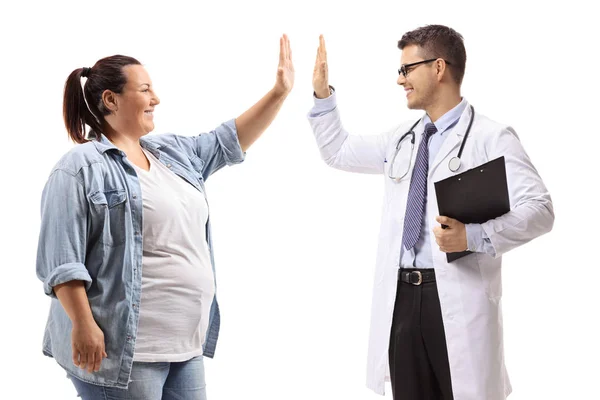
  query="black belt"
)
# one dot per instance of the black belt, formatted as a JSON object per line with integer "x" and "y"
{"x": 416, "y": 276}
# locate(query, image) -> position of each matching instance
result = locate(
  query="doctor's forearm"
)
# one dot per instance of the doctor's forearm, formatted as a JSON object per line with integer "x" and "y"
{"x": 478, "y": 241}
{"x": 520, "y": 225}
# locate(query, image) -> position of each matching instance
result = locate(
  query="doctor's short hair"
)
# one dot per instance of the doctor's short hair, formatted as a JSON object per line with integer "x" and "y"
{"x": 442, "y": 42}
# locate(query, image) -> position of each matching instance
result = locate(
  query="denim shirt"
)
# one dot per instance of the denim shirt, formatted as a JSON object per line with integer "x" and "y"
{"x": 91, "y": 230}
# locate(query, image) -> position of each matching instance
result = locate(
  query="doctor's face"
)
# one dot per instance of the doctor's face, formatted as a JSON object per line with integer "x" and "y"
{"x": 420, "y": 81}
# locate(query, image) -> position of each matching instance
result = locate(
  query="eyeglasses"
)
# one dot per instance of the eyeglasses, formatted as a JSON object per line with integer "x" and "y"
{"x": 404, "y": 68}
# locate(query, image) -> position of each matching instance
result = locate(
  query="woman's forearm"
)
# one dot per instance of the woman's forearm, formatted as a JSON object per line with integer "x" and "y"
{"x": 73, "y": 298}
{"x": 252, "y": 123}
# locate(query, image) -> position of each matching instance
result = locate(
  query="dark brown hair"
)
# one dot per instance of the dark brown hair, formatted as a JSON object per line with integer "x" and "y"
{"x": 106, "y": 74}
{"x": 439, "y": 41}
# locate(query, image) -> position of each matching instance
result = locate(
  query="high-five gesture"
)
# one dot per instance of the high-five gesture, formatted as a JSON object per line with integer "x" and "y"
{"x": 320, "y": 78}
{"x": 285, "y": 70}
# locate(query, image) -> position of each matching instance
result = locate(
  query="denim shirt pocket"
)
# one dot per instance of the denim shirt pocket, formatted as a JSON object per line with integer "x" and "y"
{"x": 108, "y": 214}
{"x": 198, "y": 165}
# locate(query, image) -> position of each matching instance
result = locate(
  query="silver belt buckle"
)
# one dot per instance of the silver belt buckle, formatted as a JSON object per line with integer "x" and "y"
{"x": 420, "y": 276}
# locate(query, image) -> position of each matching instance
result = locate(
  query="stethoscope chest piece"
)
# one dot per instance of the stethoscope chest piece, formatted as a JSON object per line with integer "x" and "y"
{"x": 454, "y": 164}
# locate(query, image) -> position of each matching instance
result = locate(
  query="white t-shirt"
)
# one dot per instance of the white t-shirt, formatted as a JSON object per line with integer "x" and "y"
{"x": 177, "y": 278}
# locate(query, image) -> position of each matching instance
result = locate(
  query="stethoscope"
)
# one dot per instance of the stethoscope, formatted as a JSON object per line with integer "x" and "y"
{"x": 453, "y": 164}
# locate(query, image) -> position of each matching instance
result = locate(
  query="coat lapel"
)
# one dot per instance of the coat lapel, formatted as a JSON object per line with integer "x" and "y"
{"x": 453, "y": 141}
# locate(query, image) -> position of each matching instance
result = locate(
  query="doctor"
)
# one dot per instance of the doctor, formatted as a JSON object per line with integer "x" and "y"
{"x": 436, "y": 327}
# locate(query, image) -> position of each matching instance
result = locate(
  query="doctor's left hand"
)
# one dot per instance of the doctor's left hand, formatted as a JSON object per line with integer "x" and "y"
{"x": 452, "y": 239}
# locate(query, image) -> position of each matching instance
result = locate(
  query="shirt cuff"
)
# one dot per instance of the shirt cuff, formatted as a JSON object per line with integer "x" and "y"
{"x": 230, "y": 143}
{"x": 66, "y": 273}
{"x": 323, "y": 106}
{"x": 478, "y": 241}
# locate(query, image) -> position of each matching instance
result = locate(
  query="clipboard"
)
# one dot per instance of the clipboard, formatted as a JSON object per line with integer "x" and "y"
{"x": 474, "y": 196}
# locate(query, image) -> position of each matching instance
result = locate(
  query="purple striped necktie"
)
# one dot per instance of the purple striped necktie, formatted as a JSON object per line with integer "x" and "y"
{"x": 417, "y": 192}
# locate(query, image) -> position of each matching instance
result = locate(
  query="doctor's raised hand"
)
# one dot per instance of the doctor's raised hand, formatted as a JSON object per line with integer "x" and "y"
{"x": 320, "y": 73}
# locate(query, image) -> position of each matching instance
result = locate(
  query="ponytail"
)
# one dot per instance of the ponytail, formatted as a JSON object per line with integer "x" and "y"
{"x": 76, "y": 113}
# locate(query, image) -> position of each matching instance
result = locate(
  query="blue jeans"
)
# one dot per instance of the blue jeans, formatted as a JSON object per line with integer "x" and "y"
{"x": 153, "y": 381}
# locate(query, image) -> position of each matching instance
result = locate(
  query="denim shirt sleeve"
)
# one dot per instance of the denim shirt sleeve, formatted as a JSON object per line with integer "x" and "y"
{"x": 63, "y": 232}
{"x": 217, "y": 148}
{"x": 478, "y": 241}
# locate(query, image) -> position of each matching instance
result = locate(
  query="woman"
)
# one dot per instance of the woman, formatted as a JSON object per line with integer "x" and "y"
{"x": 125, "y": 246}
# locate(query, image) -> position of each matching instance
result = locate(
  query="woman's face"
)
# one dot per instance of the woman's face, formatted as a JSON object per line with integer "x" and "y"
{"x": 133, "y": 108}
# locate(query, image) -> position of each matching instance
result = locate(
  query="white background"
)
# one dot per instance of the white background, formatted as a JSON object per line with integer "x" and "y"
{"x": 295, "y": 241}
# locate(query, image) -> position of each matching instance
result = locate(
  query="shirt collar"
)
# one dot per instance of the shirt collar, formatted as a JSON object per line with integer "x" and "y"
{"x": 103, "y": 144}
{"x": 449, "y": 119}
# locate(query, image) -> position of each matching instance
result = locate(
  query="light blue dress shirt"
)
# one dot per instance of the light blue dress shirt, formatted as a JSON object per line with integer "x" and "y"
{"x": 420, "y": 256}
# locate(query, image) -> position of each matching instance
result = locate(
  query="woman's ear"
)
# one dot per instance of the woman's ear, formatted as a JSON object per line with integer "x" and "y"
{"x": 110, "y": 100}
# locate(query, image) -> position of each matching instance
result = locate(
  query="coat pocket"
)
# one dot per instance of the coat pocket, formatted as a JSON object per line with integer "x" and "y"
{"x": 491, "y": 275}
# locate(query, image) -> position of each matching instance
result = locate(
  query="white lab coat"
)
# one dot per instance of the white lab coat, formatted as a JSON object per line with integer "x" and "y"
{"x": 470, "y": 289}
